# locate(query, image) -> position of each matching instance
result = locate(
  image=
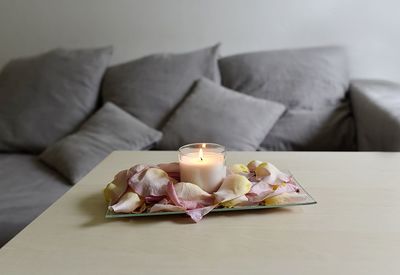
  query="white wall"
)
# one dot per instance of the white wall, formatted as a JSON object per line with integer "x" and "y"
{"x": 369, "y": 28}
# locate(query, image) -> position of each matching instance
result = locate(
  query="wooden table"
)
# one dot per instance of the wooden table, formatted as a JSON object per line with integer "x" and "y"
{"x": 354, "y": 228}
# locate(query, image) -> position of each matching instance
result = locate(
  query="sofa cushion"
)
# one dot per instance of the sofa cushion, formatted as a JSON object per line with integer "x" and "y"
{"x": 376, "y": 106}
{"x": 303, "y": 130}
{"x": 107, "y": 130}
{"x": 151, "y": 87}
{"x": 212, "y": 113}
{"x": 310, "y": 82}
{"x": 46, "y": 97}
{"x": 28, "y": 187}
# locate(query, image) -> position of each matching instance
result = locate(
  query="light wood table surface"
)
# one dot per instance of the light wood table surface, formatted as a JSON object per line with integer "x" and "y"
{"x": 354, "y": 228}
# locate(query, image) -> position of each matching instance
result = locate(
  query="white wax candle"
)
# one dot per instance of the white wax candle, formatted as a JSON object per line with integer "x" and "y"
{"x": 207, "y": 170}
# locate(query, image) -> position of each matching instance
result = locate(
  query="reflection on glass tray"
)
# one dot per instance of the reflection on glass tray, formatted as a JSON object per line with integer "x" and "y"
{"x": 307, "y": 201}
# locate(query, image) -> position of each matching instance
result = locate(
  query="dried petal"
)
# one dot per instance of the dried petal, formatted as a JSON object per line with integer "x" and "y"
{"x": 128, "y": 203}
{"x": 150, "y": 182}
{"x": 166, "y": 208}
{"x": 191, "y": 192}
{"x": 138, "y": 168}
{"x": 252, "y": 165}
{"x": 290, "y": 187}
{"x": 153, "y": 199}
{"x": 117, "y": 187}
{"x": 240, "y": 169}
{"x": 188, "y": 195}
{"x": 232, "y": 187}
{"x": 237, "y": 201}
{"x": 172, "y": 167}
{"x": 285, "y": 198}
{"x": 198, "y": 213}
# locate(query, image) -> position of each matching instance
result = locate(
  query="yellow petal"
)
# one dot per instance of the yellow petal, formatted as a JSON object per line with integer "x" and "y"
{"x": 191, "y": 192}
{"x": 285, "y": 198}
{"x": 262, "y": 170}
{"x": 252, "y": 165}
{"x": 232, "y": 187}
{"x": 109, "y": 192}
{"x": 128, "y": 203}
{"x": 239, "y": 169}
{"x": 117, "y": 187}
{"x": 266, "y": 169}
{"x": 234, "y": 202}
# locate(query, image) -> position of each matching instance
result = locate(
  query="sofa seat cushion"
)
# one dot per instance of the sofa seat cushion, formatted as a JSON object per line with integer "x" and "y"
{"x": 28, "y": 187}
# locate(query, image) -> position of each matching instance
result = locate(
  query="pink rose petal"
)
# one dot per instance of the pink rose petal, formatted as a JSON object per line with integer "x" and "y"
{"x": 172, "y": 195}
{"x": 150, "y": 182}
{"x": 198, "y": 213}
{"x": 172, "y": 169}
{"x": 166, "y": 208}
{"x": 153, "y": 199}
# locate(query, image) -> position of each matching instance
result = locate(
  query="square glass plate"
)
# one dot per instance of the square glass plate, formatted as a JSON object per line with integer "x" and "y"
{"x": 307, "y": 201}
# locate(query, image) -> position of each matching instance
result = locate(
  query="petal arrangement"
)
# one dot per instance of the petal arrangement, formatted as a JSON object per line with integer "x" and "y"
{"x": 157, "y": 188}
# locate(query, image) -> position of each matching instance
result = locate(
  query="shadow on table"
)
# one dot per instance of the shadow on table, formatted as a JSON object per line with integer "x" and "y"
{"x": 95, "y": 209}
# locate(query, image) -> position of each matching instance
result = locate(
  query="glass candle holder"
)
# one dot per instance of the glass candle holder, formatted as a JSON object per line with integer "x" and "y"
{"x": 203, "y": 164}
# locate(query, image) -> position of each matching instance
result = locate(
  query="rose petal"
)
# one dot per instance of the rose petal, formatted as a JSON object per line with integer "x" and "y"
{"x": 172, "y": 167}
{"x": 172, "y": 195}
{"x": 285, "y": 198}
{"x": 191, "y": 192}
{"x": 284, "y": 188}
{"x": 237, "y": 201}
{"x": 150, "y": 182}
{"x": 252, "y": 165}
{"x": 239, "y": 169}
{"x": 115, "y": 189}
{"x": 166, "y": 208}
{"x": 198, "y": 213}
{"x": 188, "y": 195}
{"x": 269, "y": 180}
{"x": 138, "y": 168}
{"x": 232, "y": 187}
{"x": 153, "y": 199}
{"x": 127, "y": 203}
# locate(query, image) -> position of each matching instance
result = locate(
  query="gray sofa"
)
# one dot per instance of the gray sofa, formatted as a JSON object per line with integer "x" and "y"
{"x": 34, "y": 176}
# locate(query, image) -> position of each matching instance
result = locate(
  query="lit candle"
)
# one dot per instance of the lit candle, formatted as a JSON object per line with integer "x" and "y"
{"x": 203, "y": 164}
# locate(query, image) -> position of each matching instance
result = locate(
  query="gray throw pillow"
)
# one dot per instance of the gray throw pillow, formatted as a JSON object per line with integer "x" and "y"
{"x": 150, "y": 88}
{"x": 312, "y": 84}
{"x": 107, "y": 130}
{"x": 212, "y": 113}
{"x": 46, "y": 97}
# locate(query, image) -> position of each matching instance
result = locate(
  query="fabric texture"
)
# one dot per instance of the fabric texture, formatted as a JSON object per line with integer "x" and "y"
{"x": 28, "y": 188}
{"x": 107, "y": 130}
{"x": 312, "y": 84}
{"x": 46, "y": 97}
{"x": 377, "y": 113}
{"x": 302, "y": 129}
{"x": 212, "y": 113}
{"x": 150, "y": 88}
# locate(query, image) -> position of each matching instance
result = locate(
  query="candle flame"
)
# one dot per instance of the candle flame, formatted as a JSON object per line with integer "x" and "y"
{"x": 201, "y": 154}
{"x": 203, "y": 145}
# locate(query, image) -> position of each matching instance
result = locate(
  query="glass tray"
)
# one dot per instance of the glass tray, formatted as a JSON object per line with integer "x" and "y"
{"x": 309, "y": 200}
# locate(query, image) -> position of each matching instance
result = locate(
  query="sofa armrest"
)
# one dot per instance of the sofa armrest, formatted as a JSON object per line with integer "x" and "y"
{"x": 376, "y": 107}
